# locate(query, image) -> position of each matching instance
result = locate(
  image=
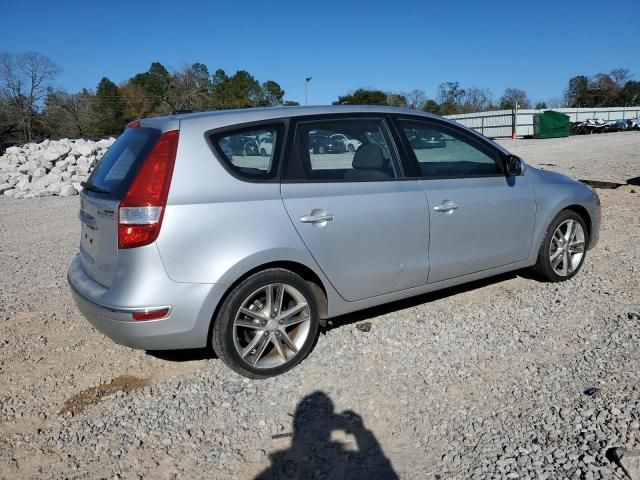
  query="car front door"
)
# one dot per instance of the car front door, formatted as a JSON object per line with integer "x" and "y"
{"x": 479, "y": 218}
{"x": 366, "y": 227}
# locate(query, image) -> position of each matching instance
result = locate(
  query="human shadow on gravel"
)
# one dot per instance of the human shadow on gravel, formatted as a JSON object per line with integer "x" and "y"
{"x": 314, "y": 454}
{"x": 386, "y": 308}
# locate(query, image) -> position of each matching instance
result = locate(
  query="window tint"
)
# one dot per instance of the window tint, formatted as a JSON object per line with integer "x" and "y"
{"x": 348, "y": 150}
{"x": 248, "y": 152}
{"x": 117, "y": 168}
{"x": 445, "y": 152}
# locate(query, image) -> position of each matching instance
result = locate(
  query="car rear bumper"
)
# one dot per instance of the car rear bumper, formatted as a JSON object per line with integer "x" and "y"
{"x": 186, "y": 325}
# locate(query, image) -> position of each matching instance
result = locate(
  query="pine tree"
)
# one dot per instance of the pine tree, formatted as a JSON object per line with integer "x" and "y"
{"x": 108, "y": 109}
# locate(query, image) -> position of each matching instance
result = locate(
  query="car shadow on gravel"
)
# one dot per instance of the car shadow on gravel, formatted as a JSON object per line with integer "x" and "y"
{"x": 377, "y": 311}
{"x": 327, "y": 444}
{"x": 189, "y": 355}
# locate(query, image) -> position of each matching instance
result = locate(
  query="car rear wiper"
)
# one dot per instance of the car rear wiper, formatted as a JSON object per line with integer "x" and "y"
{"x": 93, "y": 188}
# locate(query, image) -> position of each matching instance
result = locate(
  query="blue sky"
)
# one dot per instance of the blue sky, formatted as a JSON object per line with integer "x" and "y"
{"x": 396, "y": 46}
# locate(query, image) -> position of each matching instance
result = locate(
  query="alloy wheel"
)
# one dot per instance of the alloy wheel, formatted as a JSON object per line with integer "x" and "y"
{"x": 271, "y": 326}
{"x": 567, "y": 248}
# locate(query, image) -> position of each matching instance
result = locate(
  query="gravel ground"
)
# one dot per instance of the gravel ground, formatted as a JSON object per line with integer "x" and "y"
{"x": 481, "y": 381}
{"x": 611, "y": 157}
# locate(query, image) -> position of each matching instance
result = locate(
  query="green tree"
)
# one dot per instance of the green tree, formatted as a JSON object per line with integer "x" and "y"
{"x": 291, "y": 103}
{"x": 578, "y": 93}
{"x": 630, "y": 94}
{"x": 431, "y": 106}
{"x": 363, "y": 96}
{"x": 396, "y": 99}
{"x": 272, "y": 94}
{"x": 107, "y": 109}
{"x": 541, "y": 105}
{"x": 239, "y": 91}
{"x": 154, "y": 82}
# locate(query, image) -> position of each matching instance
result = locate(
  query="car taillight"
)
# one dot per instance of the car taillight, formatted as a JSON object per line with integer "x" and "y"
{"x": 141, "y": 210}
{"x": 150, "y": 314}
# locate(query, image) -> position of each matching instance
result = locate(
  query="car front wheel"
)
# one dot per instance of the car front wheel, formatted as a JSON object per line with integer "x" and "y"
{"x": 267, "y": 324}
{"x": 563, "y": 250}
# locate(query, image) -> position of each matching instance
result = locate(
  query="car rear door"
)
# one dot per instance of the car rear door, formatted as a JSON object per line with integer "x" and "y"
{"x": 366, "y": 227}
{"x": 479, "y": 217}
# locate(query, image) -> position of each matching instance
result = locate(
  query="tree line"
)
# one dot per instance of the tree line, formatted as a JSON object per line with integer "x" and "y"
{"x": 32, "y": 108}
{"x": 614, "y": 89}
{"x": 451, "y": 99}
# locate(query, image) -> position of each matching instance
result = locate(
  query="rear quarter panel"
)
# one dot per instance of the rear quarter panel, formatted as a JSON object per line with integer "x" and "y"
{"x": 217, "y": 227}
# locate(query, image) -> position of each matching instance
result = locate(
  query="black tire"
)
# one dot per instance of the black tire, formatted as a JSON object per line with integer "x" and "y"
{"x": 543, "y": 265}
{"x": 222, "y": 339}
{"x": 263, "y": 152}
{"x": 321, "y": 149}
{"x": 351, "y": 148}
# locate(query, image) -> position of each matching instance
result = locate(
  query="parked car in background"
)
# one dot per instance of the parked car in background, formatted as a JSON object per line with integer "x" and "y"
{"x": 633, "y": 124}
{"x": 351, "y": 144}
{"x": 265, "y": 147}
{"x": 426, "y": 139}
{"x": 242, "y": 145}
{"x": 321, "y": 144}
{"x": 616, "y": 126}
{"x": 589, "y": 126}
{"x": 184, "y": 244}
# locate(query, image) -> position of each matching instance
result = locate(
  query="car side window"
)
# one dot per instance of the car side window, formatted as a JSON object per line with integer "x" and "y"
{"x": 345, "y": 150}
{"x": 249, "y": 153}
{"x": 445, "y": 152}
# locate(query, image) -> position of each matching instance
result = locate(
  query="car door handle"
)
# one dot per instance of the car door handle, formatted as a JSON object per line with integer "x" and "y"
{"x": 446, "y": 207}
{"x": 327, "y": 217}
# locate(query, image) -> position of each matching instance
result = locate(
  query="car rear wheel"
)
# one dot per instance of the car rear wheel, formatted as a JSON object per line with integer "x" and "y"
{"x": 267, "y": 324}
{"x": 563, "y": 250}
{"x": 351, "y": 148}
{"x": 321, "y": 150}
{"x": 263, "y": 152}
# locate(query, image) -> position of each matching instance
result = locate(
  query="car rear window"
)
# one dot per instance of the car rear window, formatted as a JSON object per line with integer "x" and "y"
{"x": 116, "y": 170}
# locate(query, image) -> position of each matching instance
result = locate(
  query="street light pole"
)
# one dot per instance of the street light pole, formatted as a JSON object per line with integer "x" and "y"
{"x": 306, "y": 90}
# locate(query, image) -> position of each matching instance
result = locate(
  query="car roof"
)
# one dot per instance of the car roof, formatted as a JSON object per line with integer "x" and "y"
{"x": 221, "y": 118}
{"x": 207, "y": 121}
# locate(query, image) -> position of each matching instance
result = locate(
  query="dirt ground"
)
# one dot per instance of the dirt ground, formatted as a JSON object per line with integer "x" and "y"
{"x": 60, "y": 376}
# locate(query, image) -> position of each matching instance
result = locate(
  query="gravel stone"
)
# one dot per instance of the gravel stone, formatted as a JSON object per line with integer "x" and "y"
{"x": 482, "y": 381}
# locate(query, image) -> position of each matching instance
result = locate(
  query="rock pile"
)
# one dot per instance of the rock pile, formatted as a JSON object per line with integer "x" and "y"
{"x": 52, "y": 167}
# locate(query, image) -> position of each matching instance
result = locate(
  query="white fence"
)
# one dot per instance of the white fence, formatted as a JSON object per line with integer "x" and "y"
{"x": 499, "y": 123}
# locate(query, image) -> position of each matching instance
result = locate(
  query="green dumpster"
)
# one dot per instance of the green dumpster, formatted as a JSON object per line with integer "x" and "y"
{"x": 551, "y": 124}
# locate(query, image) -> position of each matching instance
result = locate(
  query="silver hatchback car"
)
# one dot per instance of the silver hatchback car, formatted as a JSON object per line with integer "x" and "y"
{"x": 194, "y": 237}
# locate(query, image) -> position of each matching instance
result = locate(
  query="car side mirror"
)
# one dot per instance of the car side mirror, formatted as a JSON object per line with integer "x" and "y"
{"x": 513, "y": 164}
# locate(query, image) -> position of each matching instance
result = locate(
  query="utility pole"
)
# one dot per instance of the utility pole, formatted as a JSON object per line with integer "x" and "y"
{"x": 306, "y": 90}
{"x": 514, "y": 129}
